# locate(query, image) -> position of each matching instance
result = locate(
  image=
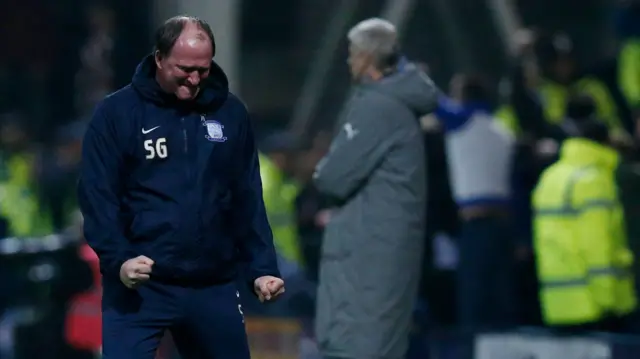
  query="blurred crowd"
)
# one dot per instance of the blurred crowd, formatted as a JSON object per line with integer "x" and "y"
{"x": 499, "y": 265}
{"x": 545, "y": 102}
{"x": 41, "y": 120}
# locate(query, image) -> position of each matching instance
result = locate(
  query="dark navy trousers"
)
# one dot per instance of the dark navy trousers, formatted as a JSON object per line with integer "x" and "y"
{"x": 485, "y": 284}
{"x": 205, "y": 322}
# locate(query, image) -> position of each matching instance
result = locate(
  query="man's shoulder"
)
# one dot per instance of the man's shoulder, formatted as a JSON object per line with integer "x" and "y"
{"x": 115, "y": 108}
{"x": 373, "y": 107}
{"x": 373, "y": 97}
{"x": 233, "y": 112}
{"x": 118, "y": 100}
{"x": 556, "y": 176}
{"x": 238, "y": 106}
{"x": 585, "y": 179}
{"x": 122, "y": 95}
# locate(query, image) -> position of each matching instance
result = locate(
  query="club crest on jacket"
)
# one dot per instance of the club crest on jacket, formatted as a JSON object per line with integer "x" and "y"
{"x": 214, "y": 131}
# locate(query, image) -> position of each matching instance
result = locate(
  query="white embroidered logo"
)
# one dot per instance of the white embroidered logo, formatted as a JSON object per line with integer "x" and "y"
{"x": 144, "y": 132}
{"x": 351, "y": 132}
{"x": 214, "y": 130}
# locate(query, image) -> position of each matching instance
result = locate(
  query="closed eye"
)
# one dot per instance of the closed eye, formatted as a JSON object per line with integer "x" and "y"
{"x": 190, "y": 69}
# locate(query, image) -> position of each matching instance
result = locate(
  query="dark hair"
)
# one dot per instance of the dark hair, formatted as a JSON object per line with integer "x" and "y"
{"x": 167, "y": 34}
{"x": 581, "y": 106}
{"x": 474, "y": 87}
{"x": 593, "y": 129}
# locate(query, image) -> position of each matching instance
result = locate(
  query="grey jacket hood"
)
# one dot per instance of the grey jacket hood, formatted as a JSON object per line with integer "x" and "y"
{"x": 412, "y": 87}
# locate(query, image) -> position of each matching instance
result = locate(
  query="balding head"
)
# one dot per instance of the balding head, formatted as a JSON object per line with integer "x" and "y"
{"x": 183, "y": 52}
{"x": 180, "y": 28}
{"x": 376, "y": 40}
{"x": 193, "y": 41}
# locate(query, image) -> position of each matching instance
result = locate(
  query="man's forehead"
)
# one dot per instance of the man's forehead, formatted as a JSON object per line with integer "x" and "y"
{"x": 192, "y": 51}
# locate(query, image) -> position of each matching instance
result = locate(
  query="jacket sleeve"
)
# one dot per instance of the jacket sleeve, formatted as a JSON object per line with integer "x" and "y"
{"x": 251, "y": 226}
{"x": 359, "y": 147}
{"x": 99, "y": 191}
{"x": 451, "y": 115}
{"x": 595, "y": 203}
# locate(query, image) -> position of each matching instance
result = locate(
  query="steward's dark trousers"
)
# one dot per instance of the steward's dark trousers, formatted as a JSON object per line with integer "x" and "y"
{"x": 205, "y": 322}
{"x": 485, "y": 291}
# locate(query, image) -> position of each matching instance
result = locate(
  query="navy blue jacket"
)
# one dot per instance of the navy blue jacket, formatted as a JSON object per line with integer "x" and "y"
{"x": 178, "y": 182}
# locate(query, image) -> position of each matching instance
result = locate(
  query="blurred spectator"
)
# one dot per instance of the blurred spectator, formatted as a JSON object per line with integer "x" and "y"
{"x": 29, "y": 41}
{"x": 627, "y": 22}
{"x": 584, "y": 261}
{"x": 373, "y": 244}
{"x": 547, "y": 69}
{"x": 83, "y": 327}
{"x": 279, "y": 192}
{"x": 437, "y": 289}
{"x": 545, "y": 91}
{"x": 522, "y": 110}
{"x": 438, "y": 280}
{"x": 628, "y": 181}
{"x": 40, "y": 275}
{"x": 94, "y": 79}
{"x": 58, "y": 173}
{"x": 579, "y": 108}
{"x": 83, "y": 324}
{"x": 19, "y": 204}
{"x": 480, "y": 154}
{"x": 277, "y": 156}
{"x": 562, "y": 78}
{"x": 313, "y": 209}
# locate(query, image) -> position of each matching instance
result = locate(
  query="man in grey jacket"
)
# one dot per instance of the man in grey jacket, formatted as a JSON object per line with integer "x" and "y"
{"x": 373, "y": 244}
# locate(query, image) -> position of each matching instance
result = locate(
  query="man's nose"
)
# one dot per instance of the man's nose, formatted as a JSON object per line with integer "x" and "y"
{"x": 194, "y": 78}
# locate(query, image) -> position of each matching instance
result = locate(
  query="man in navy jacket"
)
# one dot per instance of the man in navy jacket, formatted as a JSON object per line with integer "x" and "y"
{"x": 172, "y": 201}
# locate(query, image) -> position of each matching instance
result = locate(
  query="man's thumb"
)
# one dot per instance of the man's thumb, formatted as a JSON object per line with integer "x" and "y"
{"x": 145, "y": 260}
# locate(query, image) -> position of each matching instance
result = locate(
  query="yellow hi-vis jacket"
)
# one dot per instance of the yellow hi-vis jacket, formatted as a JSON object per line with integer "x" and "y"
{"x": 18, "y": 201}
{"x": 279, "y": 201}
{"x": 554, "y": 99}
{"x": 582, "y": 254}
{"x": 629, "y": 72}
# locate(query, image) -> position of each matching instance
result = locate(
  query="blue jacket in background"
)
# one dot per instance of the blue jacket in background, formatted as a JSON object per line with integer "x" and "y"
{"x": 178, "y": 182}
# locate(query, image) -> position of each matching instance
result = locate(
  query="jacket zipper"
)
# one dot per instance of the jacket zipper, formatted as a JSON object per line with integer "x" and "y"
{"x": 187, "y": 164}
{"x": 187, "y": 161}
{"x": 184, "y": 135}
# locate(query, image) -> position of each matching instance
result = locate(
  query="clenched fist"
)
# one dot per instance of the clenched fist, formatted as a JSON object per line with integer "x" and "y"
{"x": 136, "y": 271}
{"x": 268, "y": 287}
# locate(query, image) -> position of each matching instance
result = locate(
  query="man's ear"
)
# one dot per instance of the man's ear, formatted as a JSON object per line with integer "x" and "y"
{"x": 370, "y": 66}
{"x": 158, "y": 59}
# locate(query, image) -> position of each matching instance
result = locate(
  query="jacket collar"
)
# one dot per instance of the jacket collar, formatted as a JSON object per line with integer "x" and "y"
{"x": 584, "y": 152}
